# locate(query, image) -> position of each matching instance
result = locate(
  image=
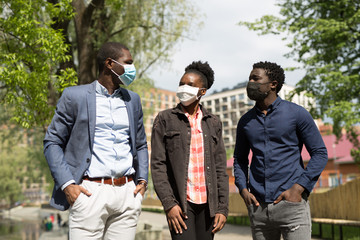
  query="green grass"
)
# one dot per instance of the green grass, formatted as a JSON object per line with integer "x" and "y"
{"x": 243, "y": 220}
{"x": 154, "y": 210}
{"x": 349, "y": 233}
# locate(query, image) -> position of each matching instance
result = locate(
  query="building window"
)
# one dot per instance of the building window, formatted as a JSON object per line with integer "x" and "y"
{"x": 166, "y": 98}
{"x": 251, "y": 103}
{"x": 241, "y": 96}
{"x": 226, "y": 115}
{"x": 224, "y": 99}
{"x": 224, "y": 108}
{"x": 233, "y": 98}
{"x": 217, "y": 101}
{"x": 208, "y": 103}
{"x": 333, "y": 180}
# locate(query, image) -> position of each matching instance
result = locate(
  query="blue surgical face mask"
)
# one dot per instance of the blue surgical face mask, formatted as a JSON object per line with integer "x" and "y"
{"x": 129, "y": 73}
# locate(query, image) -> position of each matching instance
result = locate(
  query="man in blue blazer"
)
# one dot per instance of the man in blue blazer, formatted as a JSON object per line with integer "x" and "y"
{"x": 96, "y": 150}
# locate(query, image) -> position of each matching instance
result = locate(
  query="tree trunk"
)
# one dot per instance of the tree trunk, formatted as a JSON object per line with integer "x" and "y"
{"x": 85, "y": 46}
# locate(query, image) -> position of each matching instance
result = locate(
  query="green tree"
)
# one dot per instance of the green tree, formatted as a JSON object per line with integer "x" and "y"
{"x": 47, "y": 45}
{"x": 30, "y": 53}
{"x": 150, "y": 28}
{"x": 21, "y": 158}
{"x": 325, "y": 39}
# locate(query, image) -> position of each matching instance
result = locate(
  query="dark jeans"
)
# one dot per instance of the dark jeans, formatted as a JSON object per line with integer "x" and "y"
{"x": 199, "y": 224}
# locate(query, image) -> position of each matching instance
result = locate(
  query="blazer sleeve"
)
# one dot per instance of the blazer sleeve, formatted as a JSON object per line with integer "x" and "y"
{"x": 56, "y": 139}
{"x": 141, "y": 147}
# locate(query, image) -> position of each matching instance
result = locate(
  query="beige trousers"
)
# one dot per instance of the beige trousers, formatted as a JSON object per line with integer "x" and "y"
{"x": 111, "y": 212}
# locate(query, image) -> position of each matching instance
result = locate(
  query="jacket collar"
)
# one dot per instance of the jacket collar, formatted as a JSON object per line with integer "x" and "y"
{"x": 179, "y": 110}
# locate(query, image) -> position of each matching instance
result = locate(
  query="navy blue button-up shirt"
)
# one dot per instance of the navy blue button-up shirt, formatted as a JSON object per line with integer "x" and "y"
{"x": 276, "y": 140}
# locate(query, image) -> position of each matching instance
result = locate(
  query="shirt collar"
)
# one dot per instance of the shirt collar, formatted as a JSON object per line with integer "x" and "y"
{"x": 272, "y": 106}
{"x": 100, "y": 89}
{"x": 198, "y": 113}
{"x": 178, "y": 110}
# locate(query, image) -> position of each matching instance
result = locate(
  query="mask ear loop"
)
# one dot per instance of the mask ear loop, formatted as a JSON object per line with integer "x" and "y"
{"x": 198, "y": 97}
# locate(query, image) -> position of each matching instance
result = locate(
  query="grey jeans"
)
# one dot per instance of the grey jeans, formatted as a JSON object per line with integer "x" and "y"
{"x": 291, "y": 220}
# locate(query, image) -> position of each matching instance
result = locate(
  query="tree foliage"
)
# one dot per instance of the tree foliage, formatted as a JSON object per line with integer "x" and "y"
{"x": 47, "y": 45}
{"x": 150, "y": 28}
{"x": 21, "y": 158}
{"x": 30, "y": 51}
{"x": 325, "y": 39}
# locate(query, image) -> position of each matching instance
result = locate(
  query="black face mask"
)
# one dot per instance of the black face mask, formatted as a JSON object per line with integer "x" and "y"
{"x": 254, "y": 93}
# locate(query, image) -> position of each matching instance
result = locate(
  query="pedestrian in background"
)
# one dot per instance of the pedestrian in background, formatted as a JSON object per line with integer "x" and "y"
{"x": 188, "y": 161}
{"x": 59, "y": 220}
{"x": 276, "y": 187}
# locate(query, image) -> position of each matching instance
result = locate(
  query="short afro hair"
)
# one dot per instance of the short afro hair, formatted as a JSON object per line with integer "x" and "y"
{"x": 273, "y": 71}
{"x": 113, "y": 50}
{"x": 204, "y": 70}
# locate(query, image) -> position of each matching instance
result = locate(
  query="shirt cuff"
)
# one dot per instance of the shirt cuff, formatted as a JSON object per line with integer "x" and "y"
{"x": 141, "y": 179}
{"x": 67, "y": 184}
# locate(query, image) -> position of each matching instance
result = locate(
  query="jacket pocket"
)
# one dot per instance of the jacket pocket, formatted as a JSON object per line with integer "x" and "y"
{"x": 172, "y": 140}
{"x": 214, "y": 142}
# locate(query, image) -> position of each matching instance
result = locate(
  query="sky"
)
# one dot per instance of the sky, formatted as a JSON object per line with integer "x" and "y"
{"x": 230, "y": 49}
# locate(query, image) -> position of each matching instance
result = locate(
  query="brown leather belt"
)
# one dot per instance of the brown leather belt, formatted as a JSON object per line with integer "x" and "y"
{"x": 111, "y": 181}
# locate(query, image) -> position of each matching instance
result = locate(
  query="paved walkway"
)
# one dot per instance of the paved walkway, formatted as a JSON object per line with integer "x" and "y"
{"x": 157, "y": 220}
{"x": 230, "y": 232}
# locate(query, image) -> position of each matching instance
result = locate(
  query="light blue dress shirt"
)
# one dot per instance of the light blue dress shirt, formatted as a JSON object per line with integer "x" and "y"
{"x": 111, "y": 151}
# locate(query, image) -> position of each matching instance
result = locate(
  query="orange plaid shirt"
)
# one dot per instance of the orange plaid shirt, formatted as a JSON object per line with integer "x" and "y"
{"x": 196, "y": 183}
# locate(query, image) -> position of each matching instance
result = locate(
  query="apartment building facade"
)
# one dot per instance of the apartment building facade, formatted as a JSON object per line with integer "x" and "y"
{"x": 154, "y": 101}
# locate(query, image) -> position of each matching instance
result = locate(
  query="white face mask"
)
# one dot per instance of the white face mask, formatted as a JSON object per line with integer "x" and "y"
{"x": 187, "y": 94}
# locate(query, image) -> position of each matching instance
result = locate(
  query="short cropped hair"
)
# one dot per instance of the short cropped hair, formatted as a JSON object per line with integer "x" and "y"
{"x": 113, "y": 50}
{"x": 273, "y": 71}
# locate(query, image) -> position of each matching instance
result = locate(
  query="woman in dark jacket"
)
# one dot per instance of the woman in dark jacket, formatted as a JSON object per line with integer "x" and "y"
{"x": 188, "y": 161}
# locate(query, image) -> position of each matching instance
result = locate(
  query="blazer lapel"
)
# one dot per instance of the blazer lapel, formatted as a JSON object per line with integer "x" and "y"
{"x": 91, "y": 109}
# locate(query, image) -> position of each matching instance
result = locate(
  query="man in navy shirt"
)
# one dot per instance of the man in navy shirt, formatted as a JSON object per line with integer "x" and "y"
{"x": 276, "y": 186}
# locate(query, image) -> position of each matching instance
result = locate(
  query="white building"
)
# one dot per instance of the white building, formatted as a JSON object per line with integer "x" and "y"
{"x": 230, "y": 104}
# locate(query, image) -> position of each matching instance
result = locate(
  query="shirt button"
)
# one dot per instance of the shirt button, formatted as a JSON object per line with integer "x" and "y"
{"x": 88, "y": 160}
